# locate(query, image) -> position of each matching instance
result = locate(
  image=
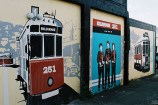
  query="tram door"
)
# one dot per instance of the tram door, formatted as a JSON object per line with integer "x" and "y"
{"x": 24, "y": 57}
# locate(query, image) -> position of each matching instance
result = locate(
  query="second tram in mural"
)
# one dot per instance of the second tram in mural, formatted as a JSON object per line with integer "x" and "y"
{"x": 142, "y": 54}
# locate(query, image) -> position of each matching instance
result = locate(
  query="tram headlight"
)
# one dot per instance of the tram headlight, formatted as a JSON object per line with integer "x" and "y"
{"x": 30, "y": 15}
{"x": 50, "y": 81}
{"x": 39, "y": 16}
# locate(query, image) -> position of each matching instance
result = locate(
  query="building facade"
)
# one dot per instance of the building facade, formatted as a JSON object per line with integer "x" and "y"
{"x": 54, "y": 51}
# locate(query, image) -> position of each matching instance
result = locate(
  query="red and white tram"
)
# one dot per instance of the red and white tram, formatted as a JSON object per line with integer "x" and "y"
{"x": 6, "y": 59}
{"x": 142, "y": 53}
{"x": 41, "y": 56}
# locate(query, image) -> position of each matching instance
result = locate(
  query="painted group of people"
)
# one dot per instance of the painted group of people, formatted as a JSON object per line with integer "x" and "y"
{"x": 104, "y": 62}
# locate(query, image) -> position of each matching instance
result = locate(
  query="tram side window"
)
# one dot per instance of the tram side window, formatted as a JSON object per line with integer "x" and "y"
{"x": 48, "y": 46}
{"x": 140, "y": 49}
{"x": 136, "y": 50}
{"x": 36, "y": 46}
{"x": 58, "y": 45}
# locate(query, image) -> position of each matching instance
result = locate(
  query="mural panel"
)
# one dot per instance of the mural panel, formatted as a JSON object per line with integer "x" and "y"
{"x": 106, "y": 52}
{"x": 141, "y": 55}
{"x": 44, "y": 41}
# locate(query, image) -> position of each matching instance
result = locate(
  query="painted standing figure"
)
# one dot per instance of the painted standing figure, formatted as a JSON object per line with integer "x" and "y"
{"x": 100, "y": 60}
{"x": 113, "y": 59}
{"x": 107, "y": 64}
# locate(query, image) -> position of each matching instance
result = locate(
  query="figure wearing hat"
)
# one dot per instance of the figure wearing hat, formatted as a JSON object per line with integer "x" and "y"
{"x": 100, "y": 60}
{"x": 113, "y": 60}
{"x": 107, "y": 59}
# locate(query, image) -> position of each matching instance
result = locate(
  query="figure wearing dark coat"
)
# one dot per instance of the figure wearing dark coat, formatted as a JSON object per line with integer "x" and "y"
{"x": 113, "y": 59}
{"x": 100, "y": 60}
{"x": 107, "y": 66}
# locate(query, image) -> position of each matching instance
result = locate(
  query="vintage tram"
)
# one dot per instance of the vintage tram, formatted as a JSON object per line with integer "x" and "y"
{"x": 142, "y": 54}
{"x": 6, "y": 59}
{"x": 41, "y": 69}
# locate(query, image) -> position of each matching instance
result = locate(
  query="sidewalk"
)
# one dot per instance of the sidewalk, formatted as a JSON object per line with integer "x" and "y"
{"x": 142, "y": 91}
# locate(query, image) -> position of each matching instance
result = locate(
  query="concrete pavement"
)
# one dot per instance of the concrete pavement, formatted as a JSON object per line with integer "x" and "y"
{"x": 142, "y": 91}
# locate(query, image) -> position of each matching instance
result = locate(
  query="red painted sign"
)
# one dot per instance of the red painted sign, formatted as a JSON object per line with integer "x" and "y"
{"x": 107, "y": 25}
{"x": 46, "y": 75}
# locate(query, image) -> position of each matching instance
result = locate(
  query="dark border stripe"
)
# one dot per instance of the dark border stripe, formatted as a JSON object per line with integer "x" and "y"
{"x": 106, "y": 31}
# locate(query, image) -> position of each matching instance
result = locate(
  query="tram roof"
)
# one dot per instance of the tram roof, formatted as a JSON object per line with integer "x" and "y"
{"x": 141, "y": 40}
{"x": 48, "y": 21}
{"x": 45, "y": 21}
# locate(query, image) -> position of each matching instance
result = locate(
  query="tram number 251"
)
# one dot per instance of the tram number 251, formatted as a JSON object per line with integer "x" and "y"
{"x": 49, "y": 69}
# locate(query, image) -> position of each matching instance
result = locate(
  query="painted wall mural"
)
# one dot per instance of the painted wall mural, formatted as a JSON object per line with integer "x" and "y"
{"x": 47, "y": 51}
{"x": 106, "y": 55}
{"x": 107, "y": 35}
{"x": 41, "y": 60}
{"x": 141, "y": 55}
{"x": 8, "y": 50}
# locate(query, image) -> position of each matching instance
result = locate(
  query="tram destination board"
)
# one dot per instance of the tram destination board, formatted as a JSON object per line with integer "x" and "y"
{"x": 48, "y": 29}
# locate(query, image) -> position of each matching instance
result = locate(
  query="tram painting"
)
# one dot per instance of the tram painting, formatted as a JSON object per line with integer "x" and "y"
{"x": 41, "y": 57}
{"x": 142, "y": 54}
{"x": 6, "y": 59}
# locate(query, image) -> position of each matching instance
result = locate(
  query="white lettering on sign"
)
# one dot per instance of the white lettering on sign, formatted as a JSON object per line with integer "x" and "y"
{"x": 49, "y": 69}
{"x": 103, "y": 24}
{"x": 115, "y": 26}
{"x": 47, "y": 29}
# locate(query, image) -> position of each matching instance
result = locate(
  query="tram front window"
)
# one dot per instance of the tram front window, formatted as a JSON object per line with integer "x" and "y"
{"x": 58, "y": 45}
{"x": 146, "y": 49}
{"x": 48, "y": 45}
{"x": 36, "y": 46}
